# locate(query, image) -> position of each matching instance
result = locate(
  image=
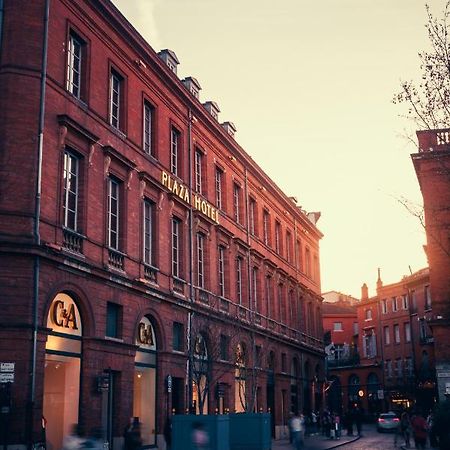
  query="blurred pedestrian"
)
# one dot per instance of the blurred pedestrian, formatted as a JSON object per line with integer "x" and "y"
{"x": 420, "y": 430}
{"x": 405, "y": 428}
{"x": 74, "y": 440}
{"x": 132, "y": 435}
{"x": 297, "y": 425}
{"x": 200, "y": 437}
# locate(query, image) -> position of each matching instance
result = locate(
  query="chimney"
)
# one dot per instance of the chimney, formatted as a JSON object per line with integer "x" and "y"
{"x": 229, "y": 128}
{"x": 171, "y": 60}
{"x": 379, "y": 282}
{"x": 364, "y": 292}
{"x": 192, "y": 85}
{"x": 212, "y": 108}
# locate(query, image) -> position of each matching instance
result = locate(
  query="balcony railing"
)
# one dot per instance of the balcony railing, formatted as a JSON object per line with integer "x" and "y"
{"x": 116, "y": 259}
{"x": 72, "y": 241}
{"x": 202, "y": 296}
{"x": 434, "y": 140}
{"x": 178, "y": 285}
{"x": 344, "y": 362}
{"x": 151, "y": 273}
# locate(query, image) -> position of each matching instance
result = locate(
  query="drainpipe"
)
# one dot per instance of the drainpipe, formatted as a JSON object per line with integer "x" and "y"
{"x": 189, "y": 361}
{"x": 37, "y": 213}
{"x": 1, "y": 24}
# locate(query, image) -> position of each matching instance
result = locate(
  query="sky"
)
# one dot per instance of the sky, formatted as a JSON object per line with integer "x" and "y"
{"x": 309, "y": 85}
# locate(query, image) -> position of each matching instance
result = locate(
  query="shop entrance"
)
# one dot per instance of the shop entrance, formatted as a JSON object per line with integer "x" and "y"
{"x": 62, "y": 370}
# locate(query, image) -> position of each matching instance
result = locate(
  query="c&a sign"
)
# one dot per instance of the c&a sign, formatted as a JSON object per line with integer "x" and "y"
{"x": 146, "y": 334}
{"x": 64, "y": 316}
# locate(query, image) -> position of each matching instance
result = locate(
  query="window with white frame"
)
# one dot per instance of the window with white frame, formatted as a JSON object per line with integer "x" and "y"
{"x": 368, "y": 314}
{"x": 252, "y": 216}
{"x": 198, "y": 168}
{"x": 266, "y": 218}
{"x": 427, "y": 294}
{"x": 255, "y": 287}
{"x": 405, "y": 301}
{"x": 148, "y": 233}
{"x": 148, "y": 144}
{"x": 397, "y": 333}
{"x": 237, "y": 202}
{"x": 277, "y": 237}
{"x": 394, "y": 304}
{"x": 288, "y": 246}
{"x": 200, "y": 260}
{"x": 115, "y": 97}
{"x": 407, "y": 332}
{"x": 221, "y": 270}
{"x": 239, "y": 264}
{"x": 370, "y": 344}
{"x": 387, "y": 336}
{"x": 337, "y": 326}
{"x": 113, "y": 213}
{"x": 75, "y": 57}
{"x": 174, "y": 151}
{"x": 176, "y": 249}
{"x": 71, "y": 190}
{"x": 384, "y": 307}
{"x": 218, "y": 182}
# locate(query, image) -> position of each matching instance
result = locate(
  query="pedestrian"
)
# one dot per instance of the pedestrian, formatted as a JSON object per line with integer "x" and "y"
{"x": 314, "y": 416}
{"x": 297, "y": 426}
{"x": 431, "y": 432}
{"x": 74, "y": 440}
{"x": 132, "y": 435}
{"x": 349, "y": 422}
{"x": 95, "y": 440}
{"x": 405, "y": 428}
{"x": 200, "y": 438}
{"x": 357, "y": 414}
{"x": 420, "y": 430}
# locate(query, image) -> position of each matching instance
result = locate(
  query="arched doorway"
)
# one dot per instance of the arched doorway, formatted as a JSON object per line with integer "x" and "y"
{"x": 353, "y": 388}
{"x": 62, "y": 369}
{"x": 145, "y": 369}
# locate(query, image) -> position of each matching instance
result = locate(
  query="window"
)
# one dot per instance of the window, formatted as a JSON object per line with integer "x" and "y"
{"x": 394, "y": 304}
{"x": 423, "y": 332}
{"x": 176, "y": 251}
{"x": 368, "y": 314}
{"x": 75, "y": 62}
{"x": 408, "y": 366}
{"x": 298, "y": 252}
{"x": 258, "y": 358}
{"x": 237, "y": 202}
{"x": 288, "y": 246}
{"x": 277, "y": 237}
{"x": 70, "y": 202}
{"x": 283, "y": 362}
{"x": 255, "y": 288}
{"x": 221, "y": 261}
{"x": 405, "y": 302}
{"x": 266, "y": 227}
{"x": 397, "y": 333}
{"x": 370, "y": 344}
{"x": 115, "y": 88}
{"x": 224, "y": 347}
{"x": 198, "y": 167}
{"x": 149, "y": 209}
{"x": 177, "y": 336}
{"x": 407, "y": 332}
{"x": 219, "y": 176}
{"x": 307, "y": 262}
{"x": 200, "y": 260}
{"x": 113, "y": 318}
{"x": 268, "y": 296}
{"x": 281, "y": 308}
{"x": 355, "y": 328}
{"x": 384, "y": 307}
{"x": 388, "y": 368}
{"x": 174, "y": 151}
{"x": 399, "y": 368}
{"x": 387, "y": 336}
{"x": 113, "y": 213}
{"x": 252, "y": 218}
{"x": 337, "y": 326}
{"x": 148, "y": 143}
{"x": 427, "y": 295}
{"x": 239, "y": 280}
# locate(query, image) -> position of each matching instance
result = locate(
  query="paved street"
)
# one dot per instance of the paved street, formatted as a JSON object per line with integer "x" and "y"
{"x": 371, "y": 439}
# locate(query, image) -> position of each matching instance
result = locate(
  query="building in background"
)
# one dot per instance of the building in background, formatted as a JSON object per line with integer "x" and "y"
{"x": 390, "y": 364}
{"x": 432, "y": 166}
{"x": 147, "y": 264}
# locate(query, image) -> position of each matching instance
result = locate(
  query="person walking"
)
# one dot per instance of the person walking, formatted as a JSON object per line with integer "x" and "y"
{"x": 132, "y": 435}
{"x": 200, "y": 438}
{"x": 297, "y": 426}
{"x": 405, "y": 428}
{"x": 420, "y": 431}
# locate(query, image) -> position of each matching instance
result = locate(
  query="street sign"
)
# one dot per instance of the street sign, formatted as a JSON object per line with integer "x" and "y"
{"x": 7, "y": 366}
{"x": 7, "y": 377}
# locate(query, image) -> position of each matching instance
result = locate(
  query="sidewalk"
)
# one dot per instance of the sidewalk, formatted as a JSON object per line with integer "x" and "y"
{"x": 317, "y": 442}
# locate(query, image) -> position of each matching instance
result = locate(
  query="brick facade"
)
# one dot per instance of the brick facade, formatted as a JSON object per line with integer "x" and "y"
{"x": 77, "y": 289}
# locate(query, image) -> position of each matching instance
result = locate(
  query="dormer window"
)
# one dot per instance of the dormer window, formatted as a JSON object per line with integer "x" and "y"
{"x": 229, "y": 127}
{"x": 192, "y": 85}
{"x": 212, "y": 108}
{"x": 171, "y": 60}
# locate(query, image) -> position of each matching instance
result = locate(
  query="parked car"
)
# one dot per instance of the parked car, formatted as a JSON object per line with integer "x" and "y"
{"x": 387, "y": 422}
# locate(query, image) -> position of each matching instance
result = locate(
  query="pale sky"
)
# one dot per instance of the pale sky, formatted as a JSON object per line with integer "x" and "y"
{"x": 308, "y": 84}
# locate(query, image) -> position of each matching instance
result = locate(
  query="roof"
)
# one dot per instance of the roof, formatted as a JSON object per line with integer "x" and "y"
{"x": 338, "y": 308}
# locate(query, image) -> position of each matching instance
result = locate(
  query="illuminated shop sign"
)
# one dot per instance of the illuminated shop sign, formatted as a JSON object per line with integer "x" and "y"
{"x": 64, "y": 316}
{"x": 182, "y": 191}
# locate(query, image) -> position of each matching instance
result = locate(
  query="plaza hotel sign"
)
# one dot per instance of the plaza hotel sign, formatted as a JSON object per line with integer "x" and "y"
{"x": 193, "y": 199}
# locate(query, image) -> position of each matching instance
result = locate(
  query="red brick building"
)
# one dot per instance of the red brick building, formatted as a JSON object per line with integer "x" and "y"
{"x": 146, "y": 260}
{"x": 432, "y": 166}
{"x": 391, "y": 365}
